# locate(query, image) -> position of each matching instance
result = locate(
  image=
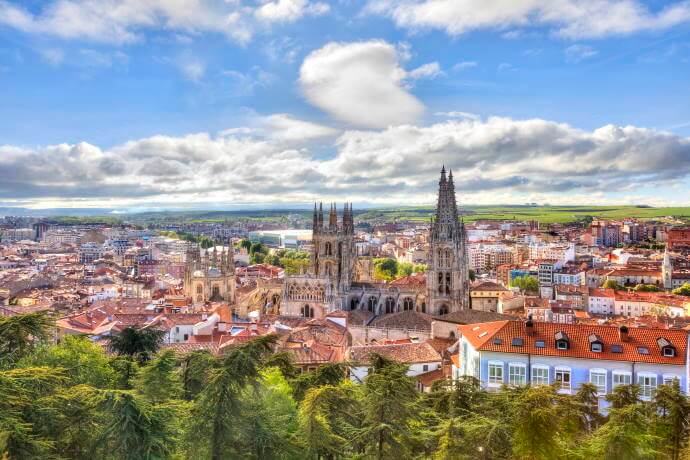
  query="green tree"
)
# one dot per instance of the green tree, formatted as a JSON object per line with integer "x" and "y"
{"x": 141, "y": 344}
{"x": 268, "y": 418}
{"x": 389, "y": 403}
{"x": 326, "y": 374}
{"x": 451, "y": 445}
{"x": 84, "y": 362}
{"x": 625, "y": 435}
{"x": 538, "y": 428}
{"x": 671, "y": 418}
{"x": 611, "y": 284}
{"x": 472, "y": 274}
{"x": 245, "y": 244}
{"x": 159, "y": 381}
{"x": 20, "y": 390}
{"x": 136, "y": 430}
{"x": 683, "y": 290}
{"x": 646, "y": 288}
{"x": 214, "y": 431}
{"x": 328, "y": 417}
{"x": 19, "y": 335}
{"x": 196, "y": 368}
{"x": 526, "y": 283}
{"x": 623, "y": 396}
{"x": 385, "y": 269}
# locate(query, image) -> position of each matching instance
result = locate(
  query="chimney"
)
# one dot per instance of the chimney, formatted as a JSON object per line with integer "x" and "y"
{"x": 623, "y": 333}
{"x": 529, "y": 325}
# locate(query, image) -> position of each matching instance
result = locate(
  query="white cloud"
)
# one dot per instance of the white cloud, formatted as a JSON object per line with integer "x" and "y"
{"x": 463, "y": 65}
{"x": 430, "y": 70}
{"x": 282, "y": 126}
{"x": 245, "y": 83}
{"x": 573, "y": 19}
{"x": 505, "y": 67}
{"x": 192, "y": 68}
{"x": 360, "y": 83}
{"x": 499, "y": 160}
{"x": 577, "y": 53}
{"x": 455, "y": 114}
{"x": 289, "y": 10}
{"x": 124, "y": 21}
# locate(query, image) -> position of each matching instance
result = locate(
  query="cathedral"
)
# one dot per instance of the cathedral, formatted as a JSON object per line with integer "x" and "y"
{"x": 209, "y": 275}
{"x": 336, "y": 279}
{"x": 331, "y": 283}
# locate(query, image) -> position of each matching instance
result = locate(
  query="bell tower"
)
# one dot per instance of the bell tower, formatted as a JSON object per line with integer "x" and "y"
{"x": 448, "y": 273}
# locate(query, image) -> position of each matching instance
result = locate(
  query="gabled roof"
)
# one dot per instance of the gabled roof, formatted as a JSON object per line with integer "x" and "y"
{"x": 408, "y": 353}
{"x": 499, "y": 338}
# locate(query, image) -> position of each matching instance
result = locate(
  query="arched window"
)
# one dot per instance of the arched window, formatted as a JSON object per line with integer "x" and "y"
{"x": 440, "y": 283}
{"x": 443, "y": 310}
{"x": 408, "y": 304}
{"x": 328, "y": 249}
{"x": 307, "y": 311}
{"x": 371, "y": 303}
{"x": 390, "y": 305}
{"x": 423, "y": 307}
{"x": 216, "y": 292}
{"x": 199, "y": 289}
{"x": 354, "y": 303}
{"x": 447, "y": 283}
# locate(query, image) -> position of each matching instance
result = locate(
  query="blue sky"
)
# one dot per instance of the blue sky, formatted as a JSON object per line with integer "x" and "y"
{"x": 215, "y": 103}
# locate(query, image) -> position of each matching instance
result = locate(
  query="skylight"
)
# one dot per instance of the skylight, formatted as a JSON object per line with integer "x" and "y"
{"x": 540, "y": 344}
{"x": 643, "y": 350}
{"x": 517, "y": 342}
{"x": 617, "y": 348}
{"x": 498, "y": 341}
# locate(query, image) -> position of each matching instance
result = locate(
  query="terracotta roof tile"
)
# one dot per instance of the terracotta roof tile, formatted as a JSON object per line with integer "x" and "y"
{"x": 404, "y": 353}
{"x": 578, "y": 334}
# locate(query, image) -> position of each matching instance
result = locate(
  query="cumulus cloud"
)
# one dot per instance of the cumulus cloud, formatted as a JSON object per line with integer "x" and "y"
{"x": 430, "y": 70}
{"x": 495, "y": 160}
{"x": 124, "y": 21}
{"x": 284, "y": 127}
{"x": 289, "y": 10}
{"x": 573, "y": 19}
{"x": 360, "y": 83}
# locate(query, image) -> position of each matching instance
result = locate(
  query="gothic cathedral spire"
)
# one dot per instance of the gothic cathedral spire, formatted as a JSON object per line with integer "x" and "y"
{"x": 448, "y": 273}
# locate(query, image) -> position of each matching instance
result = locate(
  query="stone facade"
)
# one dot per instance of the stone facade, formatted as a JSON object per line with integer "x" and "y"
{"x": 448, "y": 273}
{"x": 210, "y": 275}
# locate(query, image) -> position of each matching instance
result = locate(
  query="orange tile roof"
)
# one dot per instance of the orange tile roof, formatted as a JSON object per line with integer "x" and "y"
{"x": 404, "y": 353}
{"x": 578, "y": 334}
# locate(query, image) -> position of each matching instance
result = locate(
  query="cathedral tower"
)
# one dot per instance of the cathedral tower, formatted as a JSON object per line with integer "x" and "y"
{"x": 334, "y": 254}
{"x": 448, "y": 274}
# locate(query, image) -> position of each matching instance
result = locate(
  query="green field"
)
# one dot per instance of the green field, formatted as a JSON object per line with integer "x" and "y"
{"x": 543, "y": 214}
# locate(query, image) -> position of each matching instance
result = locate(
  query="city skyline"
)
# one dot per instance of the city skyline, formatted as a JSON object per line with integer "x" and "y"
{"x": 210, "y": 105}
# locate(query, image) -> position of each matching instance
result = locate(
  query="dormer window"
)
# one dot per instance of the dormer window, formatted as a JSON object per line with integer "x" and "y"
{"x": 667, "y": 350}
{"x": 562, "y": 341}
{"x": 595, "y": 343}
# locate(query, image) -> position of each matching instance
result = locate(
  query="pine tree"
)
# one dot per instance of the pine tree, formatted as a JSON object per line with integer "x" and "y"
{"x": 159, "y": 382}
{"x": 625, "y": 436}
{"x": 141, "y": 344}
{"x": 671, "y": 418}
{"x": 214, "y": 429}
{"x": 388, "y": 404}
{"x": 196, "y": 367}
{"x": 20, "y": 333}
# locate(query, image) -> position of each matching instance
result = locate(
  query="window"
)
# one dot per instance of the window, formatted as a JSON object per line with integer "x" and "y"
{"x": 186, "y": 337}
{"x": 562, "y": 344}
{"x": 647, "y": 383}
{"x": 540, "y": 344}
{"x": 643, "y": 350}
{"x": 597, "y": 347}
{"x": 517, "y": 374}
{"x": 669, "y": 352}
{"x": 495, "y": 373}
{"x": 498, "y": 341}
{"x": 517, "y": 342}
{"x": 621, "y": 378}
{"x": 563, "y": 379}
{"x": 540, "y": 375}
{"x": 425, "y": 368}
{"x": 597, "y": 377}
{"x": 617, "y": 348}
{"x": 669, "y": 378}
